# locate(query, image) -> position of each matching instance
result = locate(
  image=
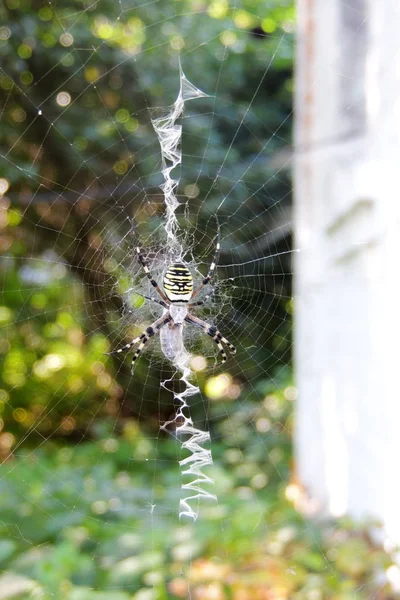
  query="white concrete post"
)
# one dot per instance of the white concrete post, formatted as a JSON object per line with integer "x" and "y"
{"x": 347, "y": 273}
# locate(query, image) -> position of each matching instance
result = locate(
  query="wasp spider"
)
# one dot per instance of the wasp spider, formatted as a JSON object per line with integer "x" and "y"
{"x": 175, "y": 299}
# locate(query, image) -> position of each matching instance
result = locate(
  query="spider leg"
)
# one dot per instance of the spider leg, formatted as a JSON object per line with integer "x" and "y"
{"x": 212, "y": 332}
{"x": 149, "y": 275}
{"x": 143, "y": 338}
{"x": 160, "y": 302}
{"x": 211, "y": 270}
{"x": 200, "y": 302}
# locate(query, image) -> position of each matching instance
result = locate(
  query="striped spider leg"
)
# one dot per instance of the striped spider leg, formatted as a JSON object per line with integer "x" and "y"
{"x": 210, "y": 330}
{"x": 144, "y": 337}
{"x": 149, "y": 275}
{"x": 213, "y": 332}
{"x": 201, "y": 302}
{"x": 175, "y": 299}
{"x": 155, "y": 300}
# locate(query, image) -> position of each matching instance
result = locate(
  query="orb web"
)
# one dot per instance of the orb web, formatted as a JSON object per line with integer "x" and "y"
{"x": 92, "y": 166}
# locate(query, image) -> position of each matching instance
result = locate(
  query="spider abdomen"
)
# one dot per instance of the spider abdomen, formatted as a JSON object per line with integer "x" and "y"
{"x": 178, "y": 283}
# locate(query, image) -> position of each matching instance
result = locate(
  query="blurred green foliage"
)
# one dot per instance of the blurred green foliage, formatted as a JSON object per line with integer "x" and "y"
{"x": 88, "y": 497}
{"x": 53, "y": 376}
{"x": 79, "y": 156}
{"x": 99, "y": 521}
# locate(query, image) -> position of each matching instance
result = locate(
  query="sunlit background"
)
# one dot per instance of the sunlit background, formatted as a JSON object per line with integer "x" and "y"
{"x": 90, "y": 485}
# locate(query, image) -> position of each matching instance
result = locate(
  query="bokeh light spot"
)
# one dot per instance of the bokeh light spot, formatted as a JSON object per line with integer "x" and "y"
{"x": 5, "y": 32}
{"x": 63, "y": 98}
{"x": 198, "y": 363}
{"x": 66, "y": 39}
{"x": 228, "y": 38}
{"x": 4, "y": 185}
{"x": 217, "y": 387}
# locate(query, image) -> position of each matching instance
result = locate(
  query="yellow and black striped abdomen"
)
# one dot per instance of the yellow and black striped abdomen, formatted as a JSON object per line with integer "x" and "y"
{"x": 178, "y": 283}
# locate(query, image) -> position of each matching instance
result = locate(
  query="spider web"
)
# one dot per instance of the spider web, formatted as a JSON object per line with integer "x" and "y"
{"x": 157, "y": 180}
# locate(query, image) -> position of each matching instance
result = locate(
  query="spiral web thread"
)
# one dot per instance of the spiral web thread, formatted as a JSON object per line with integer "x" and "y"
{"x": 169, "y": 134}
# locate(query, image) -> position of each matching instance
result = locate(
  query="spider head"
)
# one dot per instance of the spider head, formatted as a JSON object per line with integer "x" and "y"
{"x": 178, "y": 283}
